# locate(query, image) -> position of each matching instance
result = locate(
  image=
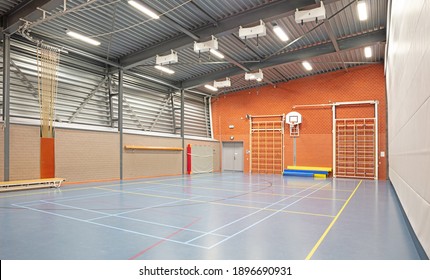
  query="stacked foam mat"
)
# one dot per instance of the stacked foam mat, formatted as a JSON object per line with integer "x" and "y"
{"x": 307, "y": 171}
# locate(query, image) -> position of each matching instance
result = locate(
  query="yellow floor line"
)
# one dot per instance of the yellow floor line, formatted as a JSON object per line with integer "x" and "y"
{"x": 312, "y": 252}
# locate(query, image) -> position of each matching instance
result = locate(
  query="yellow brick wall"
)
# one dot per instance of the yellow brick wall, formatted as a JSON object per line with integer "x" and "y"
{"x": 86, "y": 155}
{"x": 24, "y": 152}
{"x": 141, "y": 163}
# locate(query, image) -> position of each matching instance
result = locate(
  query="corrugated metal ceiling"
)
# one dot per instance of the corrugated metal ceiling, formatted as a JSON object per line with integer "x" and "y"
{"x": 124, "y": 31}
{"x": 7, "y": 5}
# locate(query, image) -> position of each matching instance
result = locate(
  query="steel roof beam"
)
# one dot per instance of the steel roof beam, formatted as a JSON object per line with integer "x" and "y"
{"x": 333, "y": 39}
{"x": 29, "y": 11}
{"x": 224, "y": 27}
{"x": 305, "y": 53}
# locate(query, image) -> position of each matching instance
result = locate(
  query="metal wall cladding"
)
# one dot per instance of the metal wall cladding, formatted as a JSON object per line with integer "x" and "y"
{"x": 83, "y": 97}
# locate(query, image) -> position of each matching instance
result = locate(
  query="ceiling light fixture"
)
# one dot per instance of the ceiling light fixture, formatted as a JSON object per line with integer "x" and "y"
{"x": 212, "y": 44}
{"x": 362, "y": 10}
{"x": 251, "y": 32}
{"x": 167, "y": 59}
{"x": 144, "y": 9}
{"x": 217, "y": 53}
{"x": 310, "y": 15}
{"x": 221, "y": 84}
{"x": 254, "y": 76}
{"x": 212, "y": 88}
{"x": 280, "y": 33}
{"x": 368, "y": 52}
{"x": 82, "y": 38}
{"x": 307, "y": 65}
{"x": 164, "y": 69}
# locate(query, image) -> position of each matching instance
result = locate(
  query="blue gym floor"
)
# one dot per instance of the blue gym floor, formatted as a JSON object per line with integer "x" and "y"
{"x": 207, "y": 216}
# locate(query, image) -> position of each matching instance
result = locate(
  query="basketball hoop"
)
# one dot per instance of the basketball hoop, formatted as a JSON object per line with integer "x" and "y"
{"x": 294, "y": 119}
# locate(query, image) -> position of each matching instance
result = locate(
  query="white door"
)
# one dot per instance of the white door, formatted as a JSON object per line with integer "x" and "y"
{"x": 232, "y": 156}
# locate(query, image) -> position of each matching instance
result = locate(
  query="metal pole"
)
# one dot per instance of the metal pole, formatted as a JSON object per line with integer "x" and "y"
{"x": 283, "y": 142}
{"x": 210, "y": 118}
{"x": 376, "y": 142}
{"x": 120, "y": 121}
{"x": 333, "y": 108}
{"x": 250, "y": 144}
{"x": 294, "y": 152}
{"x": 6, "y": 104}
{"x": 183, "y": 129}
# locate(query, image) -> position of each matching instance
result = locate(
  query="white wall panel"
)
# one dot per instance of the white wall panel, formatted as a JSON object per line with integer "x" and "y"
{"x": 408, "y": 84}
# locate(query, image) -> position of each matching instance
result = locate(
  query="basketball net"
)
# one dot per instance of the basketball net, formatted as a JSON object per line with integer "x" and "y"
{"x": 294, "y": 129}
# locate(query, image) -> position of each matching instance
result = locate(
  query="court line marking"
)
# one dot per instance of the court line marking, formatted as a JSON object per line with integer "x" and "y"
{"x": 312, "y": 252}
{"x": 241, "y": 191}
{"x": 249, "y": 200}
{"x": 71, "y": 187}
{"x": 125, "y": 218}
{"x": 249, "y": 215}
{"x": 162, "y": 241}
{"x": 234, "y": 205}
{"x": 252, "y": 201}
{"x": 259, "y": 221}
{"x": 260, "y": 183}
{"x": 112, "y": 227}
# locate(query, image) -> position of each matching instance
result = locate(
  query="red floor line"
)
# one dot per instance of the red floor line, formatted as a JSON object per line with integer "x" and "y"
{"x": 164, "y": 240}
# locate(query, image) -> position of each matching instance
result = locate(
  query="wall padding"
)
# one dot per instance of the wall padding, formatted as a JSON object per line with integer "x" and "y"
{"x": 1, "y": 153}
{"x": 409, "y": 111}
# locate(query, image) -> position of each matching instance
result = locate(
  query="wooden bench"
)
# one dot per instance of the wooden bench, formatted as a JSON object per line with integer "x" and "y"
{"x": 31, "y": 184}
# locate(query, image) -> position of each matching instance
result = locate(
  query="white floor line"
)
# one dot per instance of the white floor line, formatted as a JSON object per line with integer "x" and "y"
{"x": 106, "y": 215}
{"x": 112, "y": 227}
{"x": 253, "y": 213}
{"x": 263, "y": 219}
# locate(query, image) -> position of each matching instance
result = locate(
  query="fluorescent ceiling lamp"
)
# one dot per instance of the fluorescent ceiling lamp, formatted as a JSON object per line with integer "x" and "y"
{"x": 143, "y": 9}
{"x": 221, "y": 84}
{"x": 280, "y": 33}
{"x": 212, "y": 88}
{"x": 368, "y": 52}
{"x": 307, "y": 65}
{"x": 164, "y": 69}
{"x": 216, "y": 53}
{"x": 254, "y": 76}
{"x": 362, "y": 10}
{"x": 167, "y": 59}
{"x": 82, "y": 38}
{"x": 251, "y": 32}
{"x": 212, "y": 44}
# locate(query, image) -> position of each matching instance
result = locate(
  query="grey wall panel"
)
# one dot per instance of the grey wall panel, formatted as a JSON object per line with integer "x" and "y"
{"x": 409, "y": 112}
{"x": 83, "y": 97}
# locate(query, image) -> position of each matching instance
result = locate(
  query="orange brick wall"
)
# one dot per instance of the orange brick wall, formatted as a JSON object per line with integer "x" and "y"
{"x": 314, "y": 146}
